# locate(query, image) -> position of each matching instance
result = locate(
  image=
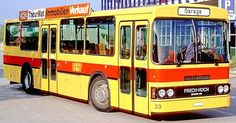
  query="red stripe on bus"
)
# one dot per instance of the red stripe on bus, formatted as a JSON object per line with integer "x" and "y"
{"x": 87, "y": 68}
{"x": 178, "y": 74}
{"x": 19, "y": 60}
{"x": 111, "y": 71}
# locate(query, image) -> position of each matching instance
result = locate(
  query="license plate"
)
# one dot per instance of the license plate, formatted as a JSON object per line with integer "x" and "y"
{"x": 198, "y": 104}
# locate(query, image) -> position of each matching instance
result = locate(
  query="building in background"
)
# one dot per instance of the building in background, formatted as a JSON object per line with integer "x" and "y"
{"x": 226, "y": 4}
{"x": 118, "y": 4}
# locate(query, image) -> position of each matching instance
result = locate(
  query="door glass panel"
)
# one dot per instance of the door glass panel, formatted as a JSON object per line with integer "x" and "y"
{"x": 53, "y": 40}
{"x": 125, "y": 42}
{"x": 141, "y": 82}
{"x": 141, "y": 43}
{"x": 44, "y": 40}
{"x": 44, "y": 68}
{"x": 125, "y": 80}
{"x": 53, "y": 69}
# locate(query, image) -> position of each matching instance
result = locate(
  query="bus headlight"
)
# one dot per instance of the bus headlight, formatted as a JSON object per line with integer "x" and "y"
{"x": 170, "y": 92}
{"x": 220, "y": 89}
{"x": 161, "y": 93}
{"x": 226, "y": 88}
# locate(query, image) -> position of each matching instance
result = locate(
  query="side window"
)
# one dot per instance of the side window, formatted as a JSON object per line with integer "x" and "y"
{"x": 53, "y": 39}
{"x": 141, "y": 82}
{"x": 72, "y": 36}
{"x": 125, "y": 80}
{"x": 30, "y": 36}
{"x": 141, "y": 42}
{"x": 44, "y": 40}
{"x": 12, "y": 34}
{"x": 125, "y": 42}
{"x": 100, "y": 36}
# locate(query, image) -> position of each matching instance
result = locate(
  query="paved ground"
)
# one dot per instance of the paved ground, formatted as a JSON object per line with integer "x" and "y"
{"x": 16, "y": 106}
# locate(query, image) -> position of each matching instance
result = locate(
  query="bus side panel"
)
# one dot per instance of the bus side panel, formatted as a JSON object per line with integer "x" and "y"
{"x": 114, "y": 89}
{"x": 6, "y": 73}
{"x": 12, "y": 73}
{"x": 69, "y": 84}
{"x": 84, "y": 87}
{"x": 36, "y": 75}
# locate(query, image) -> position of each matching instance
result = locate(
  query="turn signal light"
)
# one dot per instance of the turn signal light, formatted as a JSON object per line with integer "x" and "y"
{"x": 153, "y": 92}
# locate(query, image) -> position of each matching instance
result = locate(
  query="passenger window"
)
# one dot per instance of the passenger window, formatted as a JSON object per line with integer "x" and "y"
{"x": 125, "y": 80}
{"x": 12, "y": 34}
{"x": 30, "y": 36}
{"x": 44, "y": 40}
{"x": 53, "y": 39}
{"x": 141, "y": 82}
{"x": 141, "y": 42}
{"x": 72, "y": 36}
{"x": 125, "y": 42}
{"x": 53, "y": 69}
{"x": 100, "y": 36}
{"x": 44, "y": 68}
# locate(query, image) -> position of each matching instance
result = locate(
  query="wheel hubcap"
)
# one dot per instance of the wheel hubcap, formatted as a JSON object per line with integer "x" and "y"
{"x": 101, "y": 93}
{"x": 27, "y": 80}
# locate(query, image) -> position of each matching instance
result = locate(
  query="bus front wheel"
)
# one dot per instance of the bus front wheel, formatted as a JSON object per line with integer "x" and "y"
{"x": 27, "y": 81}
{"x": 99, "y": 95}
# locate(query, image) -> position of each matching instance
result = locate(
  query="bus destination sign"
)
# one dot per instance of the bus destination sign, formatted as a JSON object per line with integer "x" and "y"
{"x": 186, "y": 11}
{"x": 56, "y": 12}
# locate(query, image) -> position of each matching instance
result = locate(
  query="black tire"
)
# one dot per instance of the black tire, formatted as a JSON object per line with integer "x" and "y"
{"x": 99, "y": 94}
{"x": 12, "y": 82}
{"x": 27, "y": 81}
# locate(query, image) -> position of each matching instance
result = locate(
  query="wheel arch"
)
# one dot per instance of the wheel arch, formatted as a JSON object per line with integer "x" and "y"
{"x": 93, "y": 76}
{"x": 24, "y": 67}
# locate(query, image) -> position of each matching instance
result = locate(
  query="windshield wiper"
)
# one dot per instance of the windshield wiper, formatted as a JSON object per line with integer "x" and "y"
{"x": 216, "y": 62}
{"x": 181, "y": 56}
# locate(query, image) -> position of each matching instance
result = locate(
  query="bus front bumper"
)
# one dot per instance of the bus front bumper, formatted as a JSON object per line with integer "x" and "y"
{"x": 159, "y": 107}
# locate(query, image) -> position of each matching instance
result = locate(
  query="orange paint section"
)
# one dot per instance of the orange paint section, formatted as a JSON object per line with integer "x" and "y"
{"x": 112, "y": 72}
{"x": 178, "y": 74}
{"x": 18, "y": 60}
{"x": 87, "y": 68}
{"x": 68, "y": 11}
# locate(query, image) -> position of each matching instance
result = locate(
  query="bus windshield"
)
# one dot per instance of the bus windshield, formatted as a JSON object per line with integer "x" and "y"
{"x": 189, "y": 41}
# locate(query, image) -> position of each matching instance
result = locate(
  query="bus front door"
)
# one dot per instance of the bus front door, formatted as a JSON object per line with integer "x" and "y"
{"x": 49, "y": 39}
{"x": 132, "y": 66}
{"x": 140, "y": 67}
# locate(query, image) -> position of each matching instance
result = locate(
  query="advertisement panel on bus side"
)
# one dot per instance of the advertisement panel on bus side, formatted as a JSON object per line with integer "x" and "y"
{"x": 56, "y": 12}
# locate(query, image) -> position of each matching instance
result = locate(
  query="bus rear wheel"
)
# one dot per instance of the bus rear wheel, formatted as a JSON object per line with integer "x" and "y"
{"x": 27, "y": 81}
{"x": 99, "y": 95}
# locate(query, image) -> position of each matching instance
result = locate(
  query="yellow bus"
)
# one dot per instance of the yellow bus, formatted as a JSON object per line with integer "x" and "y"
{"x": 146, "y": 61}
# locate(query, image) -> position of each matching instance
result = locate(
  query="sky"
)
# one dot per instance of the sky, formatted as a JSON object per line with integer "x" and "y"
{"x": 9, "y": 9}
